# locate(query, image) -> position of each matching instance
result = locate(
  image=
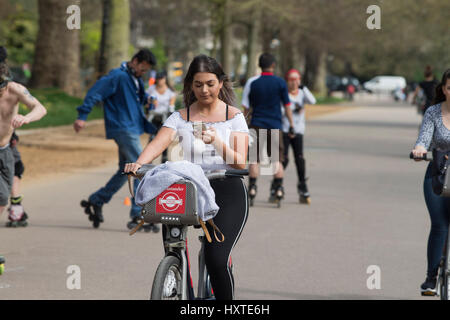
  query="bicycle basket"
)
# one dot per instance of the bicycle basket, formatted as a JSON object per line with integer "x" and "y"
{"x": 177, "y": 205}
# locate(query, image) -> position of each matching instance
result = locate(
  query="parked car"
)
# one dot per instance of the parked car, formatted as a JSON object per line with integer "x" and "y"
{"x": 384, "y": 84}
{"x": 333, "y": 83}
{"x": 346, "y": 81}
{"x": 399, "y": 94}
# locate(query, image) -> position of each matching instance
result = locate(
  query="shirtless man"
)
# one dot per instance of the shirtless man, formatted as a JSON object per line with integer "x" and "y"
{"x": 11, "y": 93}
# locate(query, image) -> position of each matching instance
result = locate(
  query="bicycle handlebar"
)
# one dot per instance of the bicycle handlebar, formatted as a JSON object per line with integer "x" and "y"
{"x": 211, "y": 175}
{"x": 227, "y": 173}
{"x": 425, "y": 157}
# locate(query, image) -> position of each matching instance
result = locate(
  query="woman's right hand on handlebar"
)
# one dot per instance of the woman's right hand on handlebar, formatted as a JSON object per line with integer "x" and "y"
{"x": 132, "y": 167}
{"x": 418, "y": 153}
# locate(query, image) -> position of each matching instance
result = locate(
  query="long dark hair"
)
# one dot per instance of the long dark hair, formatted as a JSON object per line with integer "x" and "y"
{"x": 203, "y": 63}
{"x": 439, "y": 96}
{"x": 163, "y": 75}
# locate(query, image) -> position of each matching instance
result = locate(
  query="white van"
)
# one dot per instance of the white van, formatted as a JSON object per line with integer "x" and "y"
{"x": 384, "y": 84}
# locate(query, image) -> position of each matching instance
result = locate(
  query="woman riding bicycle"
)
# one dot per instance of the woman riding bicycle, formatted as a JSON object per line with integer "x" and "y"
{"x": 209, "y": 97}
{"x": 435, "y": 133}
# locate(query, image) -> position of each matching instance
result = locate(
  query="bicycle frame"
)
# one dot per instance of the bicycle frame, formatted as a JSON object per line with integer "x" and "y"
{"x": 203, "y": 276}
{"x": 444, "y": 272}
{"x": 177, "y": 246}
{"x": 175, "y": 235}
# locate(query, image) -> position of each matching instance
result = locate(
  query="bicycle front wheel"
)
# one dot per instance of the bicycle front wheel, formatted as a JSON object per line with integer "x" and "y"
{"x": 168, "y": 282}
{"x": 444, "y": 288}
{"x": 443, "y": 281}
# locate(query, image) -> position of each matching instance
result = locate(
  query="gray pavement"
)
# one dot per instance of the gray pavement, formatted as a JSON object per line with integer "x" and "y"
{"x": 367, "y": 209}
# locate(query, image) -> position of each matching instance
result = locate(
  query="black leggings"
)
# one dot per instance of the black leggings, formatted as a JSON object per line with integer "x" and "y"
{"x": 297, "y": 146}
{"x": 157, "y": 121}
{"x": 439, "y": 210}
{"x": 231, "y": 197}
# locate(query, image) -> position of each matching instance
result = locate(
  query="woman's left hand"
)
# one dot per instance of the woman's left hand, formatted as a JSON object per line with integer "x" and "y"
{"x": 209, "y": 136}
{"x": 132, "y": 167}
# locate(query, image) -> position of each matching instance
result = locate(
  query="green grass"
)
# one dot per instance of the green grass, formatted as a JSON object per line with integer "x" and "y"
{"x": 329, "y": 100}
{"x": 61, "y": 108}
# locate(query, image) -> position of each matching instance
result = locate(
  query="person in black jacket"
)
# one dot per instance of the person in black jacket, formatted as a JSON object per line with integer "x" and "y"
{"x": 428, "y": 85}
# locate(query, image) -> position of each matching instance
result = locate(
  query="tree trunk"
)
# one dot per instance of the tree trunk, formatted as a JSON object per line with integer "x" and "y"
{"x": 115, "y": 34}
{"x": 237, "y": 62}
{"x": 320, "y": 84}
{"x": 57, "y": 54}
{"x": 298, "y": 57}
{"x": 286, "y": 53}
{"x": 226, "y": 48}
{"x": 253, "y": 42}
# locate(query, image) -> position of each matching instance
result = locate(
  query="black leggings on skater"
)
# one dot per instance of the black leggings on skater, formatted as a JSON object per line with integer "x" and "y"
{"x": 231, "y": 197}
{"x": 297, "y": 146}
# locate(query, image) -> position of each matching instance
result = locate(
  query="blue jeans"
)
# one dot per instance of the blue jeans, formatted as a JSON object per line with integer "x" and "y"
{"x": 129, "y": 150}
{"x": 438, "y": 208}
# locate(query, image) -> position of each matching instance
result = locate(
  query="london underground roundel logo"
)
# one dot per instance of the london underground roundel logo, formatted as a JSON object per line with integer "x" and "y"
{"x": 172, "y": 200}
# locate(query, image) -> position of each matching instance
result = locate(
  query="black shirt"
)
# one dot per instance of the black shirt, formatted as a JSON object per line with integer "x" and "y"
{"x": 428, "y": 88}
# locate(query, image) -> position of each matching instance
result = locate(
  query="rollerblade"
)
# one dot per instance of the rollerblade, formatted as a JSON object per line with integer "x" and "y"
{"x": 276, "y": 194}
{"x": 252, "y": 189}
{"x": 16, "y": 214}
{"x": 147, "y": 227}
{"x": 303, "y": 193}
{"x": 94, "y": 213}
{"x": 2, "y": 265}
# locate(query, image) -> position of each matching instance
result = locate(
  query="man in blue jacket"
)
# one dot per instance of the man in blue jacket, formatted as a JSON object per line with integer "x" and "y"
{"x": 123, "y": 94}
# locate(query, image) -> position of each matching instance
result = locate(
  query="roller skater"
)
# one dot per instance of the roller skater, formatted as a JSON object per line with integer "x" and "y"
{"x": 303, "y": 193}
{"x": 123, "y": 94}
{"x": 94, "y": 213}
{"x": 299, "y": 95}
{"x": 11, "y": 94}
{"x": 263, "y": 98}
{"x": 16, "y": 214}
{"x": 276, "y": 192}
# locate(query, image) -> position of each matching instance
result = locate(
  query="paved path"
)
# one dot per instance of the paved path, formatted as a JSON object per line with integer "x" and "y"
{"x": 367, "y": 209}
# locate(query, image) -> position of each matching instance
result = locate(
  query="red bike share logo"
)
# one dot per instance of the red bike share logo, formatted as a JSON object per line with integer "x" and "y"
{"x": 172, "y": 200}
